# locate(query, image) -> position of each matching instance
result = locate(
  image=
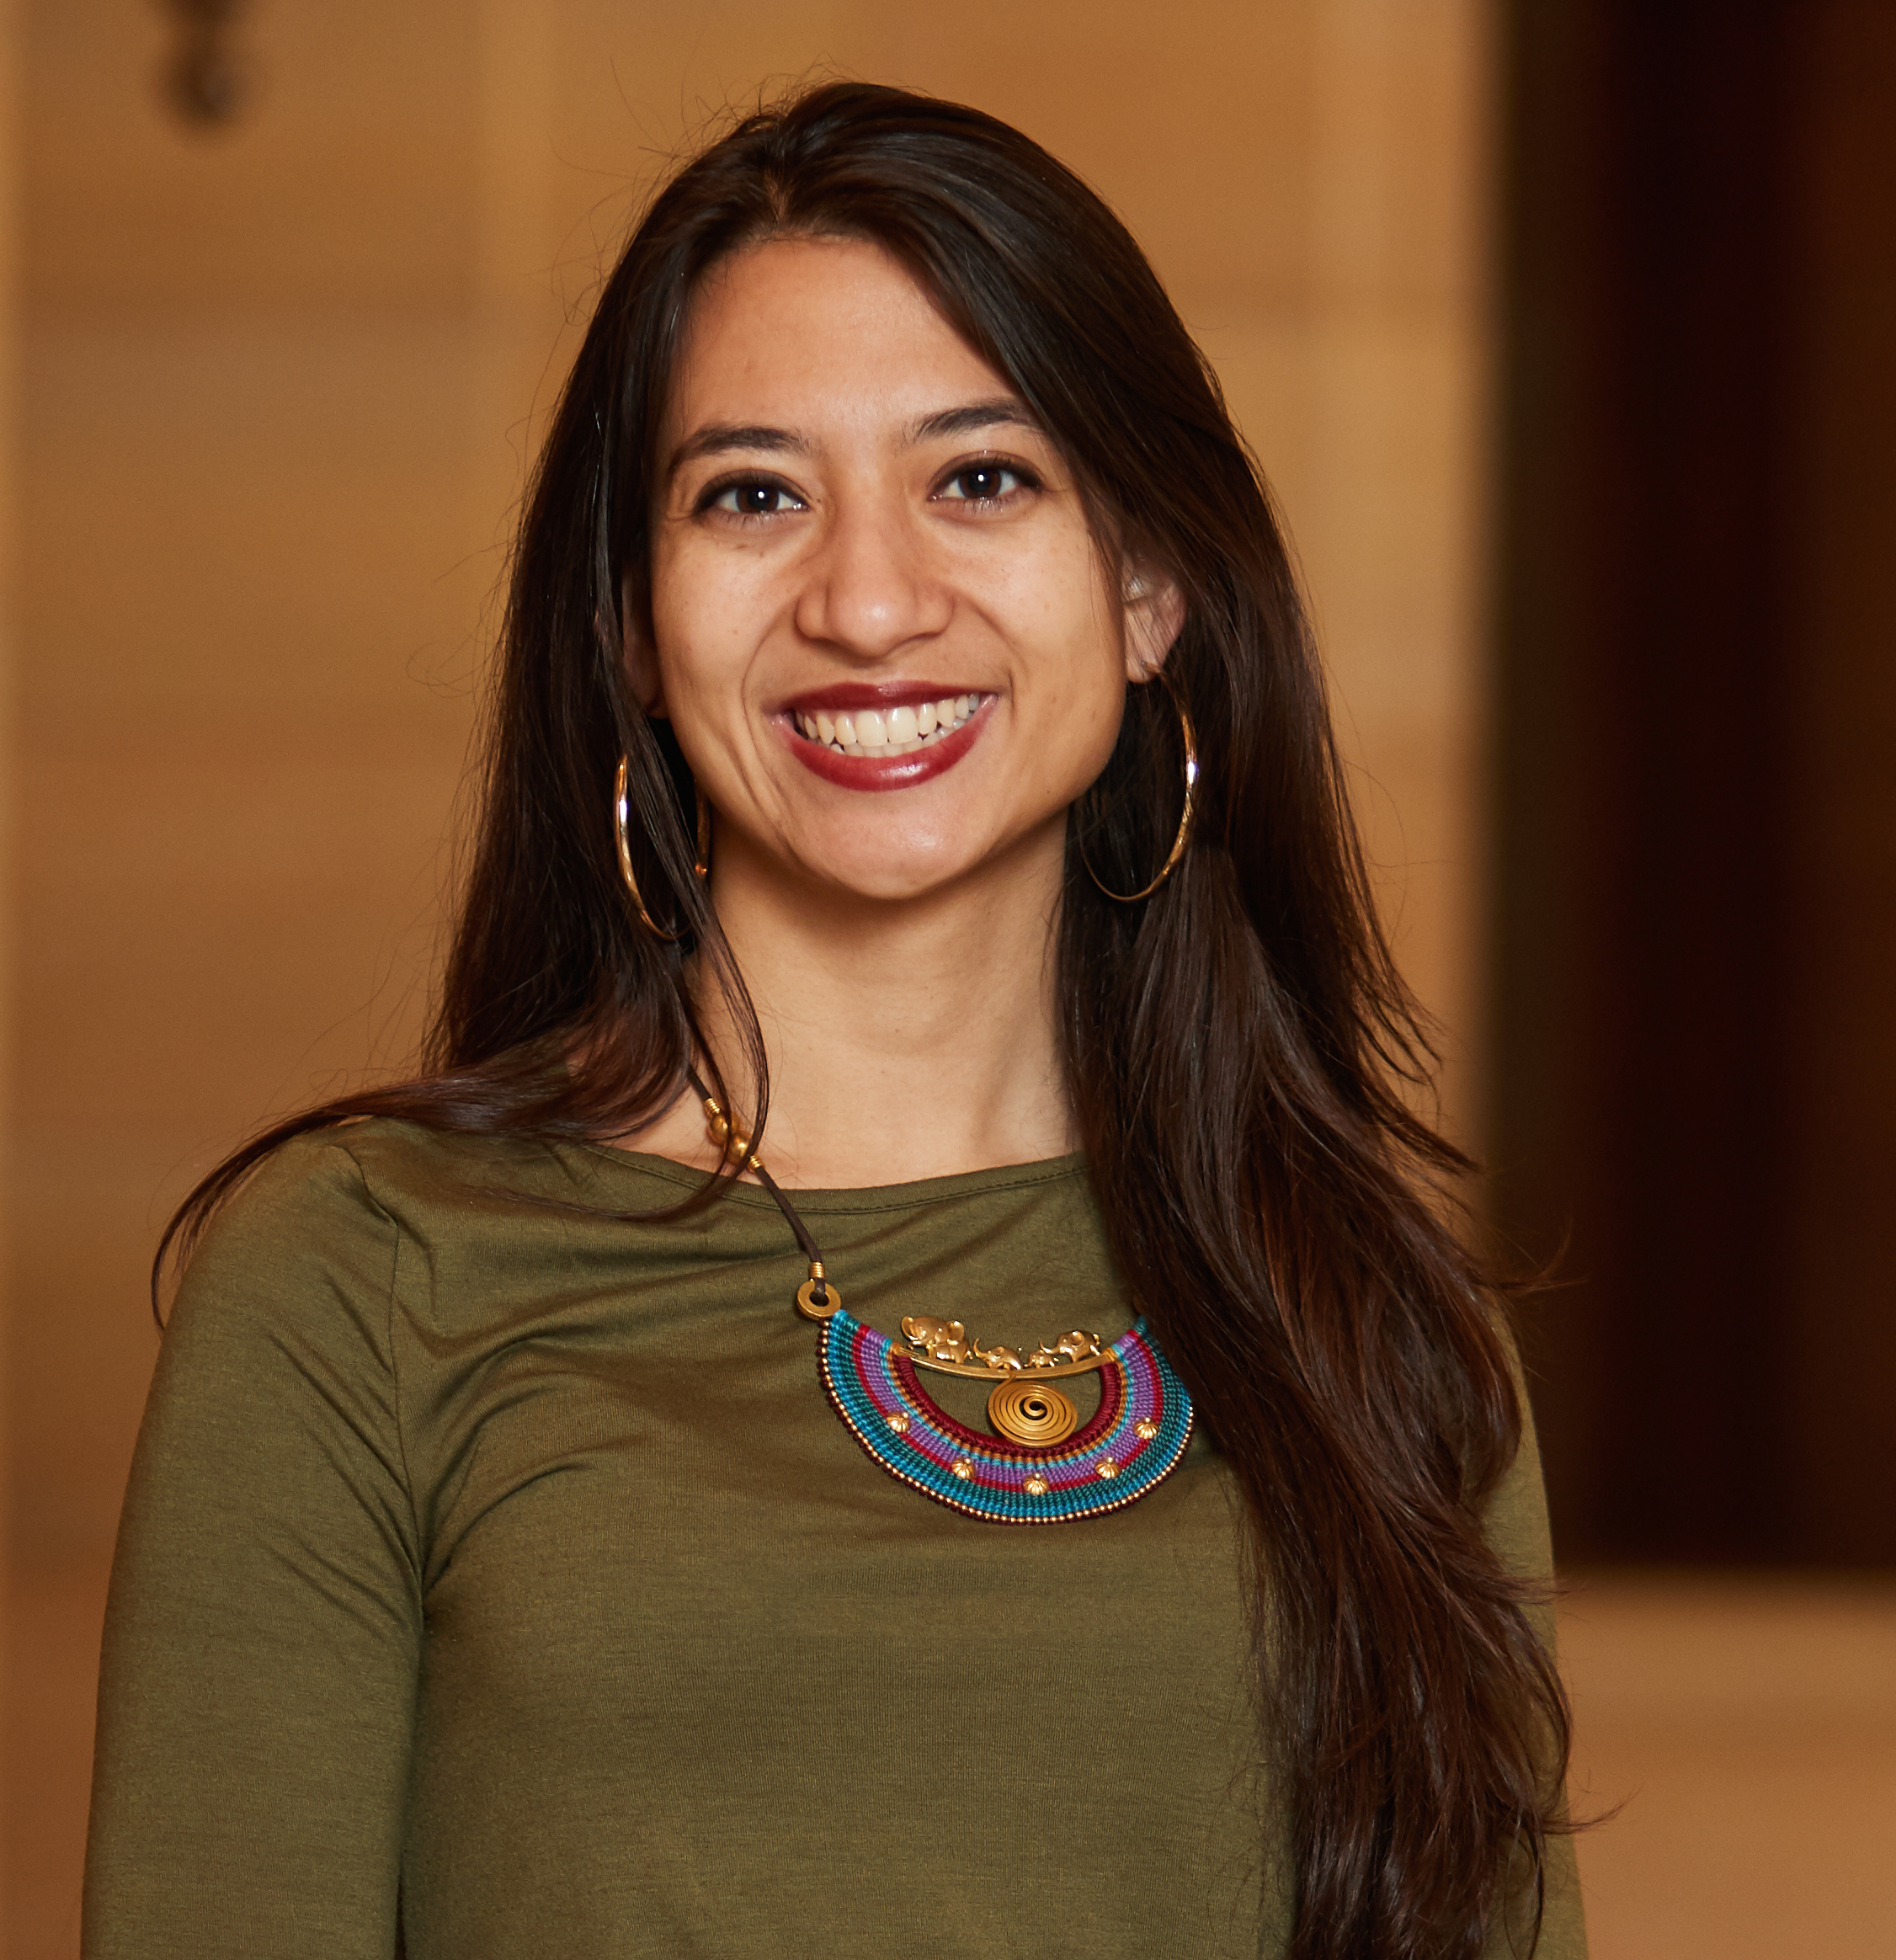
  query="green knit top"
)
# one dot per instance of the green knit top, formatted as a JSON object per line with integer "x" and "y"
{"x": 497, "y": 1581}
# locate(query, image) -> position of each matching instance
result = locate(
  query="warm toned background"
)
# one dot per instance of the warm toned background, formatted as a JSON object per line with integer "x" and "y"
{"x": 269, "y": 391}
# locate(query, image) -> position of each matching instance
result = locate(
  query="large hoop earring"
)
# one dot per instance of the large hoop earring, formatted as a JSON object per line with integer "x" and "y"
{"x": 1181, "y": 840}
{"x": 621, "y": 834}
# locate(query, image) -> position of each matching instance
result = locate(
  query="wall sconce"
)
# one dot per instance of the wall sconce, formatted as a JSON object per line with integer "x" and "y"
{"x": 203, "y": 79}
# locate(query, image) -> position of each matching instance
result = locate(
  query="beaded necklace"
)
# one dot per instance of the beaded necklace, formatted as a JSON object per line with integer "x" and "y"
{"x": 1042, "y": 1465}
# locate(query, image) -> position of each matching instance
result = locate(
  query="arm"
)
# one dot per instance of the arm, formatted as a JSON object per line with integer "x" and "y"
{"x": 263, "y": 1633}
{"x": 1517, "y": 1528}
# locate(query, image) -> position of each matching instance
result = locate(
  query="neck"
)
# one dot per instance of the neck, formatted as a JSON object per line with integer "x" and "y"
{"x": 905, "y": 1039}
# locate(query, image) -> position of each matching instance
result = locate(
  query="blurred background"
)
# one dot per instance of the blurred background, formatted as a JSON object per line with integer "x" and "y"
{"x": 1564, "y": 331}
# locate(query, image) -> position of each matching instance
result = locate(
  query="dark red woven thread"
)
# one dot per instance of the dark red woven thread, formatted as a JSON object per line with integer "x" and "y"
{"x": 1112, "y": 1399}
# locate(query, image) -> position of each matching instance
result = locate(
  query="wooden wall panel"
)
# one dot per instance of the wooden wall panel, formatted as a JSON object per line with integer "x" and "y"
{"x": 246, "y": 668}
{"x": 265, "y": 446}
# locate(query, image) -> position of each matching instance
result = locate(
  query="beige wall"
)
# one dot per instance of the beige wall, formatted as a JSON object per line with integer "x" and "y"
{"x": 276, "y": 392}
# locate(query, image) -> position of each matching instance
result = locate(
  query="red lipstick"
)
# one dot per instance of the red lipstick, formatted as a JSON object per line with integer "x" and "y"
{"x": 880, "y": 772}
{"x": 845, "y": 697}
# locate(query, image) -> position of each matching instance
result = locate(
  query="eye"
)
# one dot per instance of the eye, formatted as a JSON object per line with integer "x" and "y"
{"x": 751, "y": 497}
{"x": 986, "y": 482}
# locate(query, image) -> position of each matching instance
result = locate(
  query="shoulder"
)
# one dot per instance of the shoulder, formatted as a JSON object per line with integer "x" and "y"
{"x": 307, "y": 1258}
{"x": 318, "y": 1224}
{"x": 329, "y": 1194}
{"x": 303, "y": 1243}
{"x": 356, "y": 1222}
{"x": 307, "y": 1198}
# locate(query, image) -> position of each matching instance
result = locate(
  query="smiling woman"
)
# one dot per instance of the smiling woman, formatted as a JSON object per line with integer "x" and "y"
{"x": 914, "y": 866}
{"x": 861, "y": 520}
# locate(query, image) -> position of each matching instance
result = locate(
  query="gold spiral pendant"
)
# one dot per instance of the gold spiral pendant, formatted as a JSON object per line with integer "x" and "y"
{"x": 1031, "y": 1412}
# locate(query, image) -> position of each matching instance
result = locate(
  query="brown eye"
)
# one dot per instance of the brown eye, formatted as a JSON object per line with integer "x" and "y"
{"x": 984, "y": 483}
{"x": 755, "y": 496}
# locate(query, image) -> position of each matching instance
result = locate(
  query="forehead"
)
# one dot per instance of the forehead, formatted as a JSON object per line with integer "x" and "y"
{"x": 804, "y": 332}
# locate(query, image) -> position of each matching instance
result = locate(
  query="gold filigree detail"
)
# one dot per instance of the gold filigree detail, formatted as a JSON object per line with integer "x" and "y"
{"x": 939, "y": 1340}
{"x": 1078, "y": 1346}
{"x": 947, "y": 1346}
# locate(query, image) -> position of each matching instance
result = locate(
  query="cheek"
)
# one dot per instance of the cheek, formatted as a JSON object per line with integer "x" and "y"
{"x": 699, "y": 628}
{"x": 1097, "y": 729}
{"x": 1086, "y": 664}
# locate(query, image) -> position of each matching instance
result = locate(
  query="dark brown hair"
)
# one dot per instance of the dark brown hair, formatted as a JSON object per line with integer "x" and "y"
{"x": 1236, "y": 1046}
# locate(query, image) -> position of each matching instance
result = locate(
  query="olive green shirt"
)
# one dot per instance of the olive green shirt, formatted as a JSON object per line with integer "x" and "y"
{"x": 497, "y": 1579}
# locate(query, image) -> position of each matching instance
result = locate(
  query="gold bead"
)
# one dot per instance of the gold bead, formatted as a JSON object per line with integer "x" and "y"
{"x": 962, "y": 1468}
{"x": 1035, "y": 1485}
{"x": 1145, "y": 1429}
{"x": 1108, "y": 1469}
{"x": 898, "y": 1422}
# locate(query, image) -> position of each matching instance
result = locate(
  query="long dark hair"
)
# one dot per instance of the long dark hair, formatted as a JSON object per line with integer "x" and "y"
{"x": 1237, "y": 1047}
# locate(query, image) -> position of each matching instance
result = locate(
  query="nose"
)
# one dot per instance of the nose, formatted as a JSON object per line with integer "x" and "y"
{"x": 869, "y": 589}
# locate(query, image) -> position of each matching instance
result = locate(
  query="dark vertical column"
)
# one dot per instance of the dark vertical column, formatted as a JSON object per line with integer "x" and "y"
{"x": 1841, "y": 1062}
{"x": 1672, "y": 615}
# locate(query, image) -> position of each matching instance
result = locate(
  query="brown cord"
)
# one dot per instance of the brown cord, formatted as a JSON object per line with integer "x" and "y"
{"x": 819, "y": 1290}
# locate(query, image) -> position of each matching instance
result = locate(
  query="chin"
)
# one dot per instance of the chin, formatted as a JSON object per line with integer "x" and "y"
{"x": 884, "y": 885}
{"x": 891, "y": 877}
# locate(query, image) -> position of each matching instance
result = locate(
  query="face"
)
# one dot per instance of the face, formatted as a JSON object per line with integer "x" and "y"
{"x": 889, "y": 646}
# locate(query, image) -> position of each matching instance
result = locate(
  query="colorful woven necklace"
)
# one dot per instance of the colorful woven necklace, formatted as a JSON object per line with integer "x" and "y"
{"x": 1042, "y": 1465}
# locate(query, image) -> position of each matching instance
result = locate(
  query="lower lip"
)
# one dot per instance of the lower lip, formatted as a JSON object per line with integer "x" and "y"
{"x": 885, "y": 772}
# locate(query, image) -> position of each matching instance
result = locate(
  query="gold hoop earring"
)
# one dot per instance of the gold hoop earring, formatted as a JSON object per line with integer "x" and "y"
{"x": 621, "y": 834}
{"x": 1180, "y": 841}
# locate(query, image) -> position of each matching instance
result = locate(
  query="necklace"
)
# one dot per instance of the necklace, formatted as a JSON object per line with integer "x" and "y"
{"x": 1042, "y": 1465}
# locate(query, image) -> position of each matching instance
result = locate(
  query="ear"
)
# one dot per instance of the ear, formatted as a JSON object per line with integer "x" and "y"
{"x": 1154, "y": 611}
{"x": 640, "y": 655}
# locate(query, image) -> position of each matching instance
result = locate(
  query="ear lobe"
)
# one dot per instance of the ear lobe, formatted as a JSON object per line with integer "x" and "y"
{"x": 1154, "y": 614}
{"x": 640, "y": 656}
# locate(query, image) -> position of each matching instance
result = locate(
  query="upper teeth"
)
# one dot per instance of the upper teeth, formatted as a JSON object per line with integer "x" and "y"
{"x": 891, "y": 731}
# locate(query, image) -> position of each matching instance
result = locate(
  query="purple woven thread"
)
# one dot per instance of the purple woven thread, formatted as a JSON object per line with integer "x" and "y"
{"x": 872, "y": 1357}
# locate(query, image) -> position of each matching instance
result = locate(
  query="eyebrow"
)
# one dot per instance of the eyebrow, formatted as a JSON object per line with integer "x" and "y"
{"x": 717, "y": 438}
{"x": 973, "y": 415}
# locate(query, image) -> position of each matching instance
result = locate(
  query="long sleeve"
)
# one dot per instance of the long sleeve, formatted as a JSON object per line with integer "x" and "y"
{"x": 263, "y": 1640}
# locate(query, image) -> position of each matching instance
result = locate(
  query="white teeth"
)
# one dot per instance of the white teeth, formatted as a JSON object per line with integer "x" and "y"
{"x": 899, "y": 732}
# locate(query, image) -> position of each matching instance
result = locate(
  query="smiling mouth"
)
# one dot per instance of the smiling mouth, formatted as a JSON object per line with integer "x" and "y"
{"x": 878, "y": 732}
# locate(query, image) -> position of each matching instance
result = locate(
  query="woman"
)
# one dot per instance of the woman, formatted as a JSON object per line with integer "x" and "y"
{"x": 907, "y": 740}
